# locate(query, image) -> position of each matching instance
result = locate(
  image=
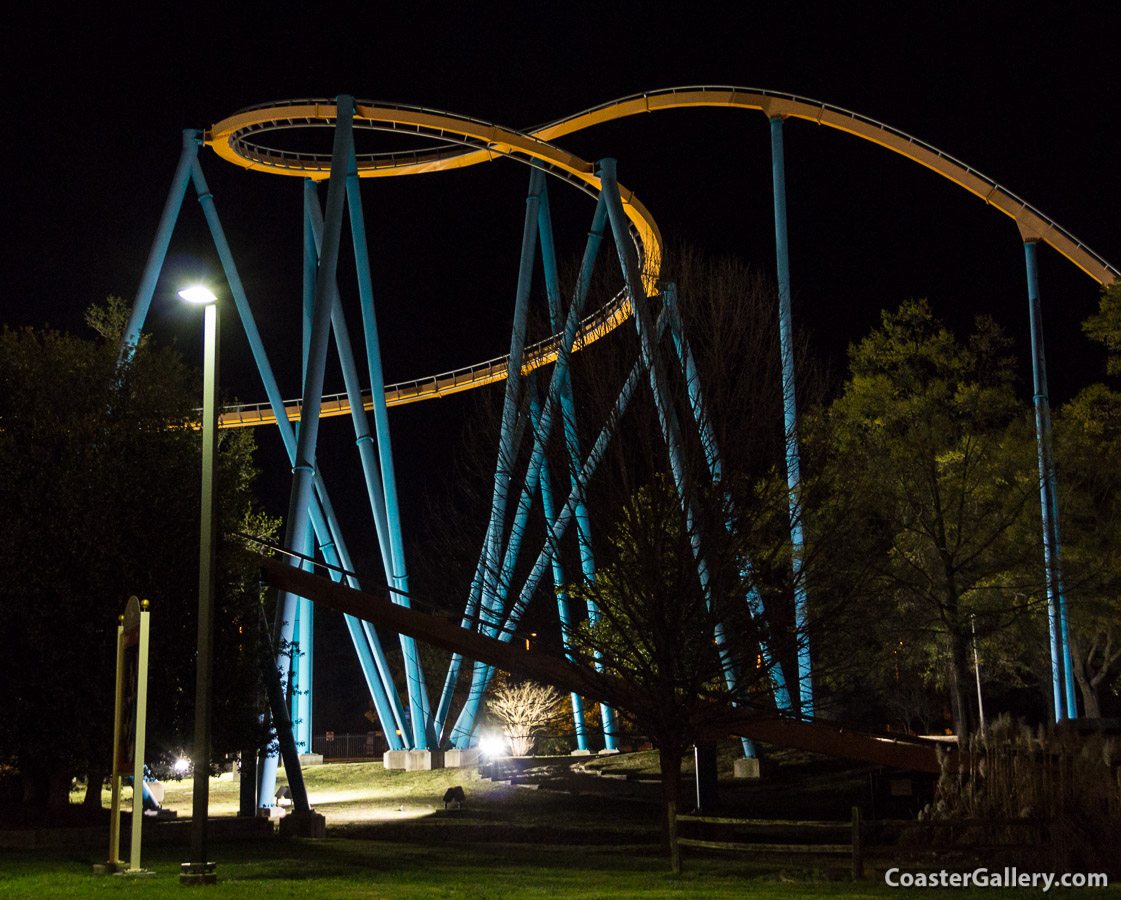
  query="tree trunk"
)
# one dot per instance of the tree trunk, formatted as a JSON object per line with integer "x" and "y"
{"x": 669, "y": 758}
{"x": 1091, "y": 708}
{"x": 959, "y": 687}
{"x": 45, "y": 784}
{"x": 95, "y": 778}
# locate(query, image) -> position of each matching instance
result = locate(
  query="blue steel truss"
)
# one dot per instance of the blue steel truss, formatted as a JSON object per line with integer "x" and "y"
{"x": 311, "y": 526}
{"x": 490, "y": 603}
{"x": 495, "y": 605}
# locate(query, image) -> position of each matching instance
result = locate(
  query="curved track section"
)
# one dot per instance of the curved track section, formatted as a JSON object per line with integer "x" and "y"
{"x": 464, "y": 141}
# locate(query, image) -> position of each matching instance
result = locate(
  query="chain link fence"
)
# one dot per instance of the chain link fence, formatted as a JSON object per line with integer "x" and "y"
{"x": 335, "y": 747}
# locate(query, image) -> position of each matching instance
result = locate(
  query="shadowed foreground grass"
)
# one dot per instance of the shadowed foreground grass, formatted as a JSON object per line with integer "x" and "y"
{"x": 390, "y": 840}
{"x": 343, "y": 869}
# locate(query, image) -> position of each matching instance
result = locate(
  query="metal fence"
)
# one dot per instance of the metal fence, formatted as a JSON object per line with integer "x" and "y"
{"x": 335, "y": 746}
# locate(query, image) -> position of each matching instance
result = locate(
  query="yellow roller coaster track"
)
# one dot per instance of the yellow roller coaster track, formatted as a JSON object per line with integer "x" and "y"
{"x": 468, "y": 141}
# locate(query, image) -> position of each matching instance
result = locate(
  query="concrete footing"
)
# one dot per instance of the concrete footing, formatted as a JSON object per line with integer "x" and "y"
{"x": 423, "y": 760}
{"x": 747, "y": 768}
{"x": 306, "y": 825}
{"x": 581, "y": 753}
{"x": 311, "y": 759}
{"x": 607, "y": 752}
{"x": 394, "y": 759}
{"x": 458, "y": 759}
{"x": 197, "y": 873}
{"x": 109, "y": 868}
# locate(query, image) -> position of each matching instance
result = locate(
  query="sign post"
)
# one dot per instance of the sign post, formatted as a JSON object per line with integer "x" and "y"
{"x": 129, "y": 726}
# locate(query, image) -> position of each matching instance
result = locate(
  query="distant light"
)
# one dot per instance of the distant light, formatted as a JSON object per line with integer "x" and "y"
{"x": 198, "y": 294}
{"x": 181, "y": 765}
{"x": 492, "y": 745}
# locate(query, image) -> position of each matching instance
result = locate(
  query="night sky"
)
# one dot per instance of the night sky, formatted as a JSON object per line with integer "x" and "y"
{"x": 96, "y": 103}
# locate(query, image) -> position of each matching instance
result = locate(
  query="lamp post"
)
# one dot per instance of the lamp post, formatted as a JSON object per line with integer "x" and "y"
{"x": 199, "y": 869}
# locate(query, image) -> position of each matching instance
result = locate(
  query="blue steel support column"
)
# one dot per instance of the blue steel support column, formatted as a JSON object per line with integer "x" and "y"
{"x": 693, "y": 386}
{"x": 667, "y": 417}
{"x": 568, "y": 418}
{"x": 469, "y": 621}
{"x": 521, "y": 516}
{"x": 491, "y": 624}
{"x": 712, "y": 457}
{"x": 1062, "y": 675}
{"x": 465, "y": 725}
{"x": 564, "y": 518}
{"x": 424, "y": 733}
{"x": 648, "y": 340}
{"x": 363, "y": 439}
{"x": 375, "y": 667}
{"x": 608, "y": 719}
{"x": 475, "y": 616}
{"x": 790, "y": 411}
{"x": 303, "y": 664}
{"x": 571, "y": 442}
{"x": 156, "y": 256}
{"x": 507, "y": 449}
{"x": 364, "y": 442}
{"x": 312, "y": 240}
{"x": 302, "y": 676}
{"x": 471, "y": 618}
{"x": 559, "y": 586}
{"x": 371, "y": 657}
{"x": 304, "y": 469}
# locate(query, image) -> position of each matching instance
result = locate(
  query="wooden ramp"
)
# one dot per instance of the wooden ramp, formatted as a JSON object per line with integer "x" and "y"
{"x": 827, "y": 738}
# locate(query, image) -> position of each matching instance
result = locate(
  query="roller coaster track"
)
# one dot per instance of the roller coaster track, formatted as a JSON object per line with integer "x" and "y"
{"x": 466, "y": 142}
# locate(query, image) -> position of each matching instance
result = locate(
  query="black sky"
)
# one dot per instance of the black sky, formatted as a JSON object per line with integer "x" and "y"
{"x": 96, "y": 101}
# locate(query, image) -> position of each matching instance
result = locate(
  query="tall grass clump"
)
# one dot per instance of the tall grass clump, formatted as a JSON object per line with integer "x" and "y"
{"x": 1037, "y": 794}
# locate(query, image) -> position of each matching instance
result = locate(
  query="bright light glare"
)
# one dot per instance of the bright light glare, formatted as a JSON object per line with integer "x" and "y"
{"x": 181, "y": 765}
{"x": 492, "y": 745}
{"x": 197, "y": 294}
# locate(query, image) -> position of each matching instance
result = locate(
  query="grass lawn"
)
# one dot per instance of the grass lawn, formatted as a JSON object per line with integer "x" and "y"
{"x": 389, "y": 838}
{"x": 343, "y": 868}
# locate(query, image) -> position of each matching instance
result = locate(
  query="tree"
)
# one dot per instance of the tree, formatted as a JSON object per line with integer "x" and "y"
{"x": 99, "y": 480}
{"x": 1087, "y": 445}
{"x": 657, "y": 631}
{"x": 524, "y": 709}
{"x": 1105, "y": 326}
{"x": 656, "y": 524}
{"x": 693, "y": 592}
{"x": 1088, "y": 436}
{"x": 934, "y": 451}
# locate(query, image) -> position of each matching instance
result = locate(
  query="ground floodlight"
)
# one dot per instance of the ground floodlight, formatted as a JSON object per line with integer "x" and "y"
{"x": 492, "y": 745}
